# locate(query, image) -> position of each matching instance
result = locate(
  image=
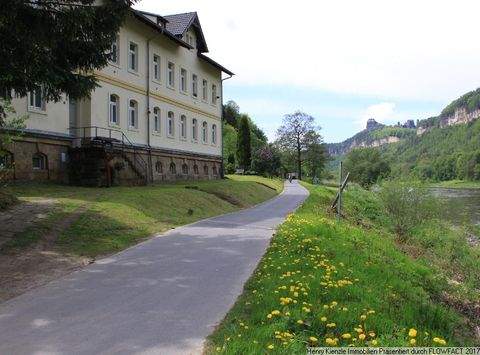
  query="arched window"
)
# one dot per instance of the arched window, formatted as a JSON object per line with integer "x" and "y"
{"x": 173, "y": 168}
{"x": 114, "y": 107}
{"x": 185, "y": 169}
{"x": 132, "y": 114}
{"x": 6, "y": 160}
{"x": 195, "y": 169}
{"x": 159, "y": 167}
{"x": 214, "y": 170}
{"x": 214, "y": 134}
{"x": 205, "y": 169}
{"x": 195, "y": 129}
{"x": 183, "y": 126}
{"x": 171, "y": 124}
{"x": 156, "y": 120}
{"x": 204, "y": 132}
{"x": 39, "y": 161}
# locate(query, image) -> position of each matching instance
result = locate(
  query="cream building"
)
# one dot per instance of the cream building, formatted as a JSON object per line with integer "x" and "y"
{"x": 156, "y": 115}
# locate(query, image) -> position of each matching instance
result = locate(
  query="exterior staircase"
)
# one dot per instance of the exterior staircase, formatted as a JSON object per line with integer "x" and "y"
{"x": 105, "y": 157}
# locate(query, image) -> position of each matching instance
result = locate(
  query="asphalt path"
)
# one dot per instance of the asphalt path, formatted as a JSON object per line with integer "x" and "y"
{"x": 163, "y": 296}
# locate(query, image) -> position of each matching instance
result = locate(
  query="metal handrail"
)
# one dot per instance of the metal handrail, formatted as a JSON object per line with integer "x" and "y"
{"x": 124, "y": 138}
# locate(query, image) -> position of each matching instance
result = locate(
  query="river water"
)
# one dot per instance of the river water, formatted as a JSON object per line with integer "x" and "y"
{"x": 460, "y": 206}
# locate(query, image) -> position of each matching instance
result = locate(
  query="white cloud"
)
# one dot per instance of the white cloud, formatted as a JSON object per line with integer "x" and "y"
{"x": 423, "y": 50}
{"x": 383, "y": 112}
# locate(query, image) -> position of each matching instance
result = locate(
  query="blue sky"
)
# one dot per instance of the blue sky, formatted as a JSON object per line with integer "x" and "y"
{"x": 339, "y": 115}
{"x": 341, "y": 61}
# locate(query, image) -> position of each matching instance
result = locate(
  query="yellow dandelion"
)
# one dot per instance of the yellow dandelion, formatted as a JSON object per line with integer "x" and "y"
{"x": 412, "y": 333}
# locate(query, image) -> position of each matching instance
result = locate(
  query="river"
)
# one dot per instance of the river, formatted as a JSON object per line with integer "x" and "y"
{"x": 462, "y": 206}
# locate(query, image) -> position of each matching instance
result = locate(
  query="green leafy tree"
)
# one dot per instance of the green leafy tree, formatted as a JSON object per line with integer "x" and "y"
{"x": 56, "y": 45}
{"x": 366, "y": 166}
{"x": 244, "y": 148}
{"x": 231, "y": 113}
{"x": 295, "y": 134}
{"x": 316, "y": 155}
{"x": 267, "y": 161}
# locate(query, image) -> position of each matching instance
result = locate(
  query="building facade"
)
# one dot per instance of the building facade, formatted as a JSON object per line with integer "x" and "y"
{"x": 155, "y": 116}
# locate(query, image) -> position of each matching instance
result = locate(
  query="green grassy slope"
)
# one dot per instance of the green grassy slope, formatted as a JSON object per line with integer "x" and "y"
{"x": 109, "y": 220}
{"x": 325, "y": 283}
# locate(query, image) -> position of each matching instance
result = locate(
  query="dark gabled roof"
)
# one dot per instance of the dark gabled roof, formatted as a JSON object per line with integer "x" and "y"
{"x": 140, "y": 16}
{"x": 215, "y": 64}
{"x": 178, "y": 24}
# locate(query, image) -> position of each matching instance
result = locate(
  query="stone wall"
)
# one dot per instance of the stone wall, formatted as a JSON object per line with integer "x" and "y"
{"x": 55, "y": 152}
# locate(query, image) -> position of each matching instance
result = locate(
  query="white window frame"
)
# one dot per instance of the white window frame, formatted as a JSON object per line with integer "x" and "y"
{"x": 214, "y": 94}
{"x": 183, "y": 127}
{"x": 214, "y": 134}
{"x": 194, "y": 130}
{"x": 171, "y": 124}
{"x": 32, "y": 101}
{"x": 43, "y": 160}
{"x": 171, "y": 75}
{"x": 195, "y": 86}
{"x": 135, "y": 111}
{"x": 183, "y": 80}
{"x": 157, "y": 120}
{"x": 205, "y": 90}
{"x": 115, "y": 48}
{"x": 204, "y": 132}
{"x": 117, "y": 109}
{"x": 157, "y": 76}
{"x": 135, "y": 60}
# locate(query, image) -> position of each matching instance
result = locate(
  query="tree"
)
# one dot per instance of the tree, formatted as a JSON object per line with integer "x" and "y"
{"x": 231, "y": 112}
{"x": 266, "y": 160}
{"x": 55, "y": 45}
{"x": 295, "y": 133}
{"x": 316, "y": 155}
{"x": 244, "y": 148}
{"x": 366, "y": 166}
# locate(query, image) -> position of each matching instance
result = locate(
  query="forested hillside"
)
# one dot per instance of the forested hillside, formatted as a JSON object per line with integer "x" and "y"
{"x": 440, "y": 154}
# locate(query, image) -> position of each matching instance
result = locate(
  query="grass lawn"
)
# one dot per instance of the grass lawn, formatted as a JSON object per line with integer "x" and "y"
{"x": 459, "y": 184}
{"x": 349, "y": 283}
{"x": 106, "y": 220}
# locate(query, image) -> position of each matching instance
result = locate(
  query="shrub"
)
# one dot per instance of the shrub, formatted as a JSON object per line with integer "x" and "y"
{"x": 408, "y": 205}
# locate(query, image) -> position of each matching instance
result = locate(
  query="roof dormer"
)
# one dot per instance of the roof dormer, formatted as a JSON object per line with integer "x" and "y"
{"x": 187, "y": 27}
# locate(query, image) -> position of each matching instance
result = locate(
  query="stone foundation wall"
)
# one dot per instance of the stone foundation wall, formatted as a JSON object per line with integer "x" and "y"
{"x": 55, "y": 152}
{"x": 185, "y": 167}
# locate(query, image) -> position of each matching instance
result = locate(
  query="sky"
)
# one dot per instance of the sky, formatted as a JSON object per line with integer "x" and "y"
{"x": 341, "y": 61}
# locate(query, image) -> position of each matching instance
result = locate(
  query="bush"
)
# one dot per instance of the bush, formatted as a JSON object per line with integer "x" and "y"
{"x": 408, "y": 205}
{"x": 366, "y": 166}
{"x": 6, "y": 200}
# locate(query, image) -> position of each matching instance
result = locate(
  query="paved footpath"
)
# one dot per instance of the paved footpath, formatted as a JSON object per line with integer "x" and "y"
{"x": 163, "y": 296}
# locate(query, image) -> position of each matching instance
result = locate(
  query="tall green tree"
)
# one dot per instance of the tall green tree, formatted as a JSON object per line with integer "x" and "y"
{"x": 295, "y": 134}
{"x": 56, "y": 44}
{"x": 366, "y": 166}
{"x": 316, "y": 155}
{"x": 231, "y": 113}
{"x": 244, "y": 147}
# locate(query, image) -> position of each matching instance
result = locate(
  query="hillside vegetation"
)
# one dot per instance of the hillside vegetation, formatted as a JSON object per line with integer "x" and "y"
{"x": 353, "y": 283}
{"x": 440, "y": 154}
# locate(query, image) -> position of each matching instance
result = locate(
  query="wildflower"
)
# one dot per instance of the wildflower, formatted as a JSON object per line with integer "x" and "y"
{"x": 331, "y": 325}
{"x": 361, "y": 336}
{"x": 371, "y": 334}
{"x": 363, "y": 317}
{"x": 323, "y": 319}
{"x": 313, "y": 339}
{"x": 374, "y": 342}
{"x": 413, "y": 342}
{"x": 275, "y": 313}
{"x": 269, "y": 316}
{"x": 270, "y": 347}
{"x": 439, "y": 341}
{"x": 412, "y": 333}
{"x": 346, "y": 336}
{"x": 300, "y": 321}
{"x": 330, "y": 341}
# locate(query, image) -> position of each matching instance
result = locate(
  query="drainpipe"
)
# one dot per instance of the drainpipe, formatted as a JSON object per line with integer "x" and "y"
{"x": 150, "y": 170}
{"x": 222, "y": 167}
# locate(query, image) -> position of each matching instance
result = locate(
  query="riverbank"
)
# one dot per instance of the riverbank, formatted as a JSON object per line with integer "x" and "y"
{"x": 353, "y": 283}
{"x": 457, "y": 184}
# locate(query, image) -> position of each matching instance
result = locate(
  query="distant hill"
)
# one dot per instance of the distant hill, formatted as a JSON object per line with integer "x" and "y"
{"x": 374, "y": 135}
